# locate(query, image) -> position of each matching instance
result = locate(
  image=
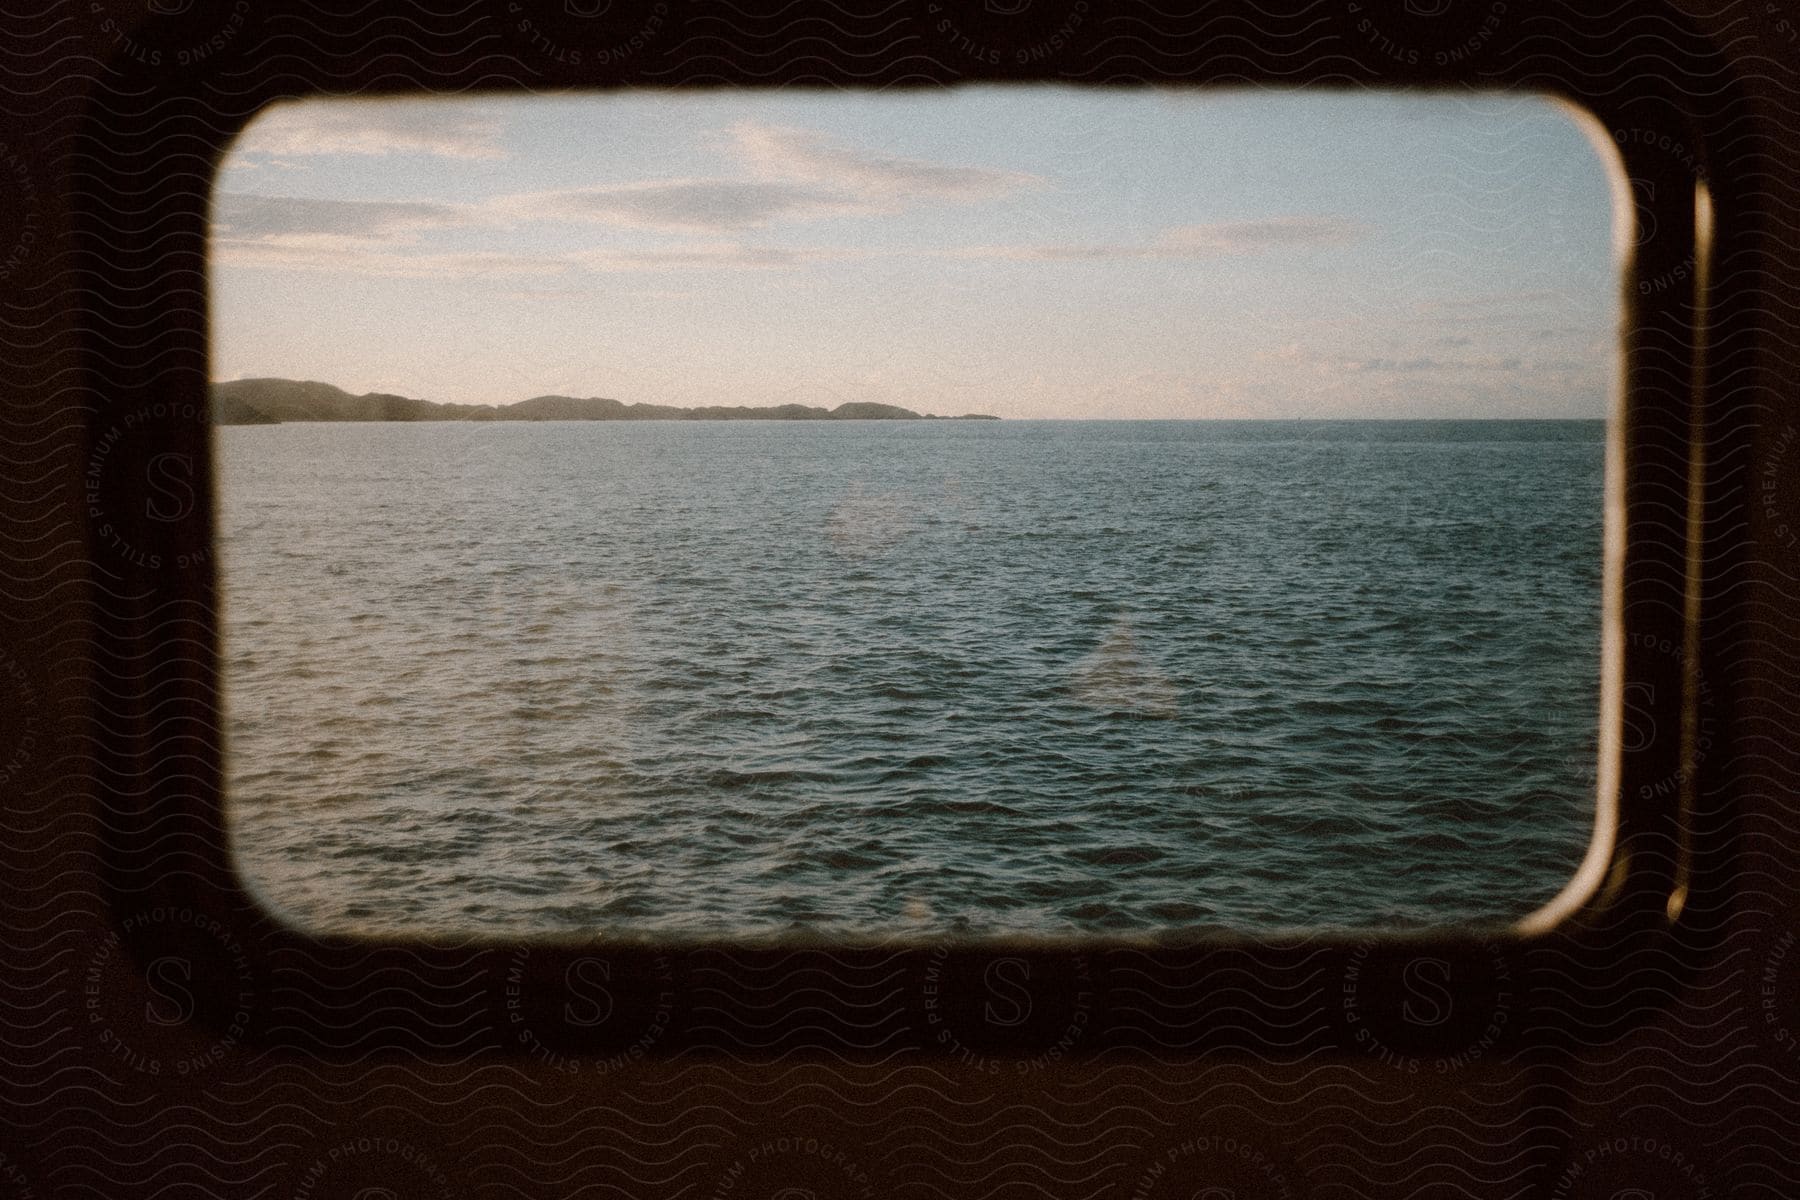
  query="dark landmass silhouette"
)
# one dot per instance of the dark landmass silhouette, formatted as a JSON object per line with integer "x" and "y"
{"x": 273, "y": 401}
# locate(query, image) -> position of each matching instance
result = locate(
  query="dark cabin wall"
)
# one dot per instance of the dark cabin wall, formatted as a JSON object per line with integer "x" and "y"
{"x": 1643, "y": 1055}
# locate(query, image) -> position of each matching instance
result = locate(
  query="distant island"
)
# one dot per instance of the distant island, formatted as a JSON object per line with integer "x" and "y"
{"x": 274, "y": 401}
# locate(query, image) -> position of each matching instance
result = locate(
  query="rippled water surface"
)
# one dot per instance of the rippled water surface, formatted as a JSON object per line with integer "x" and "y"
{"x": 725, "y": 678}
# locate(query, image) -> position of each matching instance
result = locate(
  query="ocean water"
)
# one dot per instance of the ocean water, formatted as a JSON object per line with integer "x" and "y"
{"x": 867, "y": 679}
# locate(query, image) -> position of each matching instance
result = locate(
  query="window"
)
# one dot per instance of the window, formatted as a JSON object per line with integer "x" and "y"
{"x": 1271, "y": 599}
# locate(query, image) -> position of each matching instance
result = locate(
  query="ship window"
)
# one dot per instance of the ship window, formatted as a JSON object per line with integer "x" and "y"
{"x": 1007, "y": 511}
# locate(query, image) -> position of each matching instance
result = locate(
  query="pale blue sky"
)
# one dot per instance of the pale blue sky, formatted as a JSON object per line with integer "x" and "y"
{"x": 1025, "y": 251}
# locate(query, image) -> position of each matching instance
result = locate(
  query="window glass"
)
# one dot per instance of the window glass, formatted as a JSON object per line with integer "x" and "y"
{"x": 590, "y": 565}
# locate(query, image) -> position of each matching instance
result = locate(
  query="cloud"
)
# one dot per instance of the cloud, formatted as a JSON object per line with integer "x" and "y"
{"x": 680, "y": 206}
{"x": 351, "y": 255}
{"x": 795, "y": 175}
{"x": 1394, "y": 366}
{"x": 354, "y": 256}
{"x": 381, "y": 237}
{"x": 360, "y": 237}
{"x": 712, "y": 256}
{"x": 1192, "y": 241}
{"x": 366, "y": 237}
{"x": 1524, "y": 307}
{"x": 807, "y": 156}
{"x": 373, "y": 129}
{"x": 790, "y": 176}
{"x": 1337, "y": 362}
{"x": 1484, "y": 303}
{"x": 1269, "y": 233}
{"x": 377, "y": 236}
{"x": 241, "y": 216}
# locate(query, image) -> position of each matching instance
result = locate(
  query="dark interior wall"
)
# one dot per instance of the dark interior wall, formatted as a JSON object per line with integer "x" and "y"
{"x": 159, "y": 1037}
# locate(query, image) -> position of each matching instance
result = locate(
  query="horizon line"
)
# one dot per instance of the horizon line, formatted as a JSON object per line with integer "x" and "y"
{"x": 802, "y": 404}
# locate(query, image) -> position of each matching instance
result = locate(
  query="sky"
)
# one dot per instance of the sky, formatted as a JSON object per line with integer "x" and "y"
{"x": 1029, "y": 251}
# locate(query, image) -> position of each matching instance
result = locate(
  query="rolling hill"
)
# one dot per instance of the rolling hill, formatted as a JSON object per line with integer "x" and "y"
{"x": 276, "y": 401}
